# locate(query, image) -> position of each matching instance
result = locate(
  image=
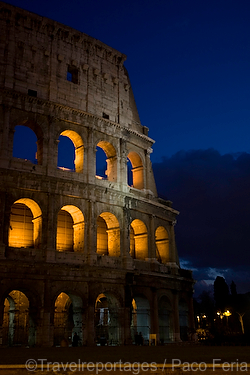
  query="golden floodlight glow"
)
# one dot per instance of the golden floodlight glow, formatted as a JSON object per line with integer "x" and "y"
{"x": 138, "y": 239}
{"x": 108, "y": 234}
{"x": 79, "y": 149}
{"x": 110, "y": 152}
{"x": 25, "y": 224}
{"x": 137, "y": 170}
{"x": 162, "y": 245}
{"x": 70, "y": 229}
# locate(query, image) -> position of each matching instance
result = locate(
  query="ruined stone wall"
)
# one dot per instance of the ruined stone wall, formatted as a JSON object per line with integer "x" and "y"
{"x": 104, "y": 242}
{"x": 41, "y": 52}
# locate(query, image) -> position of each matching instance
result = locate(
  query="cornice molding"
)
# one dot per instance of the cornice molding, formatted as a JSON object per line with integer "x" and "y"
{"x": 54, "y": 107}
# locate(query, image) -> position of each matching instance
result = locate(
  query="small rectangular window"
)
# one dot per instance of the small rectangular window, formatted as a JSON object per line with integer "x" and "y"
{"x": 104, "y": 115}
{"x": 72, "y": 74}
{"x": 69, "y": 76}
{"x": 32, "y": 93}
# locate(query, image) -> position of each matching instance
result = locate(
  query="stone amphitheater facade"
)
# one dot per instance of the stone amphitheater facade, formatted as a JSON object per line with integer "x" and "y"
{"x": 79, "y": 252}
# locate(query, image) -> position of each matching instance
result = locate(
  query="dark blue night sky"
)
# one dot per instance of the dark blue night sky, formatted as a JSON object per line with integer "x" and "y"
{"x": 188, "y": 62}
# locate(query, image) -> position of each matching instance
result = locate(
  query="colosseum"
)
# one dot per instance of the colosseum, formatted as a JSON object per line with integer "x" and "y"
{"x": 81, "y": 249}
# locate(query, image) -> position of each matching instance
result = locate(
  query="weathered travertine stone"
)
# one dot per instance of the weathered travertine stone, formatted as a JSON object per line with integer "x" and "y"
{"x": 85, "y": 254}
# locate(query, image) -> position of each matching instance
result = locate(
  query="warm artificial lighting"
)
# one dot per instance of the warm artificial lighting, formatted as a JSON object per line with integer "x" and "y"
{"x": 137, "y": 170}
{"x": 111, "y": 160}
{"x": 70, "y": 229}
{"x": 162, "y": 244}
{"x": 79, "y": 150}
{"x": 139, "y": 239}
{"x": 108, "y": 235}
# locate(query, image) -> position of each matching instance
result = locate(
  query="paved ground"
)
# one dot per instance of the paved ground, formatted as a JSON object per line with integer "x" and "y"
{"x": 158, "y": 354}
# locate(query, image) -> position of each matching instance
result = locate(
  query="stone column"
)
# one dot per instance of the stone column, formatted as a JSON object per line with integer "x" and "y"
{"x": 91, "y": 232}
{"x": 154, "y": 315}
{"x": 127, "y": 312}
{"x": 78, "y": 326}
{"x": 45, "y": 329}
{"x": 3, "y": 226}
{"x": 91, "y": 325}
{"x": 79, "y": 236}
{"x": 151, "y": 240}
{"x": 123, "y": 163}
{"x": 51, "y": 153}
{"x": 1, "y": 321}
{"x": 4, "y": 136}
{"x": 90, "y": 152}
{"x": 50, "y": 229}
{"x": 112, "y": 168}
{"x": 176, "y": 323}
{"x": 127, "y": 330}
{"x": 125, "y": 237}
{"x": 79, "y": 159}
{"x": 138, "y": 177}
{"x": 85, "y": 325}
{"x": 173, "y": 255}
{"x": 147, "y": 168}
{"x": 114, "y": 242}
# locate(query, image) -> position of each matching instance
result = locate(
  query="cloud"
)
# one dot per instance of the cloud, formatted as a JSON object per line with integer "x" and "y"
{"x": 212, "y": 193}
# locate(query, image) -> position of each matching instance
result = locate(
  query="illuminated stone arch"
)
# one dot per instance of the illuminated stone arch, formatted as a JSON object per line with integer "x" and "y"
{"x": 36, "y": 128}
{"x": 140, "y": 321}
{"x": 107, "y": 320}
{"x": 25, "y": 224}
{"x": 79, "y": 149}
{"x": 70, "y": 229}
{"x": 138, "y": 240}
{"x": 165, "y": 318}
{"x": 137, "y": 170}
{"x": 109, "y": 150}
{"x": 108, "y": 235}
{"x": 67, "y": 320}
{"x": 162, "y": 245}
{"x": 18, "y": 325}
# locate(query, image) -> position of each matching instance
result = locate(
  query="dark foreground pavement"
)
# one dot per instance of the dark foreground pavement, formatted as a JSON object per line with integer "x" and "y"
{"x": 149, "y": 354}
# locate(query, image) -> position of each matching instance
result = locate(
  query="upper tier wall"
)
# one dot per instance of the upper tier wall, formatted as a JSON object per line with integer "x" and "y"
{"x": 63, "y": 65}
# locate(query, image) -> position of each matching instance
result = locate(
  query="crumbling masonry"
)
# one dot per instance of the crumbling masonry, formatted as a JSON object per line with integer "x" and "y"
{"x": 80, "y": 252}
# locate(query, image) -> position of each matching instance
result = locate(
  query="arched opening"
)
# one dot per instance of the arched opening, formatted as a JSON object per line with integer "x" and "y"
{"x": 140, "y": 322}
{"x": 138, "y": 240}
{"x": 165, "y": 320}
{"x": 18, "y": 325}
{"x": 137, "y": 171}
{"x": 67, "y": 319}
{"x": 101, "y": 164}
{"x": 70, "y": 229}
{"x": 183, "y": 319}
{"x": 108, "y": 235}
{"x": 70, "y": 151}
{"x": 25, "y": 144}
{"x": 162, "y": 245}
{"x": 25, "y": 224}
{"x": 106, "y": 161}
{"x": 129, "y": 173}
{"x": 107, "y": 324}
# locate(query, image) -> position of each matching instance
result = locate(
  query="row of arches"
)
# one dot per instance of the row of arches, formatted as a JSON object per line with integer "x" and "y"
{"x": 71, "y": 155}
{"x": 19, "y": 325}
{"x": 25, "y": 230}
